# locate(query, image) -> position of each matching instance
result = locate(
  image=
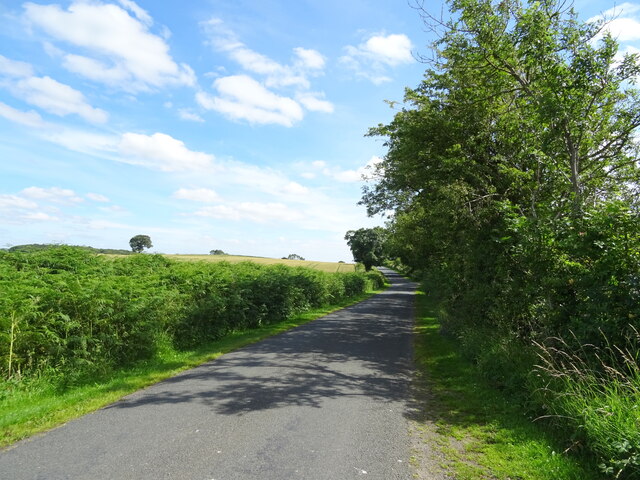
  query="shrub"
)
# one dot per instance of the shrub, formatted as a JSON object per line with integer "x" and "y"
{"x": 68, "y": 311}
{"x": 595, "y": 391}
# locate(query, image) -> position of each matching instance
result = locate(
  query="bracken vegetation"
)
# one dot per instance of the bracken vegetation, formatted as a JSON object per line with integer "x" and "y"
{"x": 68, "y": 314}
{"x": 512, "y": 172}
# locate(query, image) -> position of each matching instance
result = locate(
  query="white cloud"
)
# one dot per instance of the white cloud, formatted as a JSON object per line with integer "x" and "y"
{"x": 252, "y": 61}
{"x": 624, "y": 29}
{"x": 139, "y": 12}
{"x": 621, "y": 22}
{"x": 95, "y": 70}
{"x": 311, "y": 59}
{"x": 46, "y": 93}
{"x": 52, "y": 50}
{"x": 305, "y": 64}
{"x": 109, "y": 225}
{"x": 371, "y": 58}
{"x": 314, "y": 103}
{"x": 122, "y": 51}
{"x": 263, "y": 180}
{"x": 96, "y": 197}
{"x": 114, "y": 209}
{"x": 82, "y": 141}
{"x": 347, "y": 176}
{"x": 15, "y": 201}
{"x": 626, "y": 8}
{"x": 162, "y": 152}
{"x": 189, "y": 116}
{"x": 393, "y": 49}
{"x": 252, "y": 211}
{"x": 25, "y": 207}
{"x": 158, "y": 151}
{"x": 29, "y": 119}
{"x": 294, "y": 188}
{"x": 14, "y": 68}
{"x": 276, "y": 74}
{"x": 52, "y": 194}
{"x": 58, "y": 98}
{"x": 243, "y": 98}
{"x": 203, "y": 195}
{"x": 40, "y": 216}
{"x": 350, "y": 176}
{"x": 627, "y": 50}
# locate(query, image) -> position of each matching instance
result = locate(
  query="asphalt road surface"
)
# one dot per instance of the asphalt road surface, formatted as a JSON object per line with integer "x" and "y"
{"x": 327, "y": 400}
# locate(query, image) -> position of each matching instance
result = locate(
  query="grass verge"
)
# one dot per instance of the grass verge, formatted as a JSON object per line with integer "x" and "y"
{"x": 42, "y": 405}
{"x": 480, "y": 432}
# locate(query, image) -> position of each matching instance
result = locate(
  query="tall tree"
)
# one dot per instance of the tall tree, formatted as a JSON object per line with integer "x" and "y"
{"x": 367, "y": 245}
{"x": 521, "y": 132}
{"x": 524, "y": 104}
{"x": 512, "y": 172}
{"x": 139, "y": 242}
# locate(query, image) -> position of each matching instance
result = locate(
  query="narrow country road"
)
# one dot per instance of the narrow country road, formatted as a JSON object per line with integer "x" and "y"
{"x": 327, "y": 400}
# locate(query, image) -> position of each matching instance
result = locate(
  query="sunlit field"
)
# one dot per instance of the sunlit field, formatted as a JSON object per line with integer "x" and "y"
{"x": 322, "y": 266}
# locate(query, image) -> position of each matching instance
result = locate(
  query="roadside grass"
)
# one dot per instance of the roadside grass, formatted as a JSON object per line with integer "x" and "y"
{"x": 330, "y": 267}
{"x": 481, "y": 432}
{"x": 43, "y": 404}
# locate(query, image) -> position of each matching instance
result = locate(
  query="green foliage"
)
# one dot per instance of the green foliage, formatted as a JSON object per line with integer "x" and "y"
{"x": 367, "y": 245}
{"x": 217, "y": 252}
{"x": 32, "y": 247}
{"x": 294, "y": 256}
{"x": 513, "y": 178}
{"x": 139, "y": 242}
{"x": 36, "y": 404}
{"x": 70, "y": 313}
{"x": 482, "y": 432}
{"x": 595, "y": 392}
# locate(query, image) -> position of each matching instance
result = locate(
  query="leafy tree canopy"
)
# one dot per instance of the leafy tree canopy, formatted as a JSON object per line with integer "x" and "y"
{"x": 526, "y": 117}
{"x": 217, "y": 252}
{"x": 139, "y": 242}
{"x": 294, "y": 256}
{"x": 513, "y": 178}
{"x": 36, "y": 247}
{"x": 367, "y": 245}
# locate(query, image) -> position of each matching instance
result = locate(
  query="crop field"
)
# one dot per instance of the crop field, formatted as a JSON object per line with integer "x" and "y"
{"x": 330, "y": 267}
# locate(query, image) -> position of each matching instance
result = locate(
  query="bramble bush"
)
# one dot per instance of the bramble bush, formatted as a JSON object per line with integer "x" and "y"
{"x": 70, "y": 313}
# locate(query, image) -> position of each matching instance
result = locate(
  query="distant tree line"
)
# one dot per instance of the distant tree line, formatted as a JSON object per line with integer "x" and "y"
{"x": 293, "y": 256}
{"x": 37, "y": 247}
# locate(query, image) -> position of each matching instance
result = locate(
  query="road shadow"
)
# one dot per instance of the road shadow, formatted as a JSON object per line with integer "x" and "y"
{"x": 363, "y": 350}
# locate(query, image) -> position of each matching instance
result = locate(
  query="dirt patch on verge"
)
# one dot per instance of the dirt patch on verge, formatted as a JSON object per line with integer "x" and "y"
{"x": 428, "y": 462}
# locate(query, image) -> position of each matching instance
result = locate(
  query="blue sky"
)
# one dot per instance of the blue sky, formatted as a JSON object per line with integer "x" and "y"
{"x": 223, "y": 124}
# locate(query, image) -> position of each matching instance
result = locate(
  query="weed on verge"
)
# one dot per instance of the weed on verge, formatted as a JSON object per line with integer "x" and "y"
{"x": 479, "y": 432}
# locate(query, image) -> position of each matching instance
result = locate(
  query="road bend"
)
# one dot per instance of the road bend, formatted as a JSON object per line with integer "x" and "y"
{"x": 327, "y": 400}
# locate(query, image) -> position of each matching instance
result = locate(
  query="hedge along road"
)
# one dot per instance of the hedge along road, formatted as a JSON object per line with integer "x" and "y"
{"x": 328, "y": 400}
